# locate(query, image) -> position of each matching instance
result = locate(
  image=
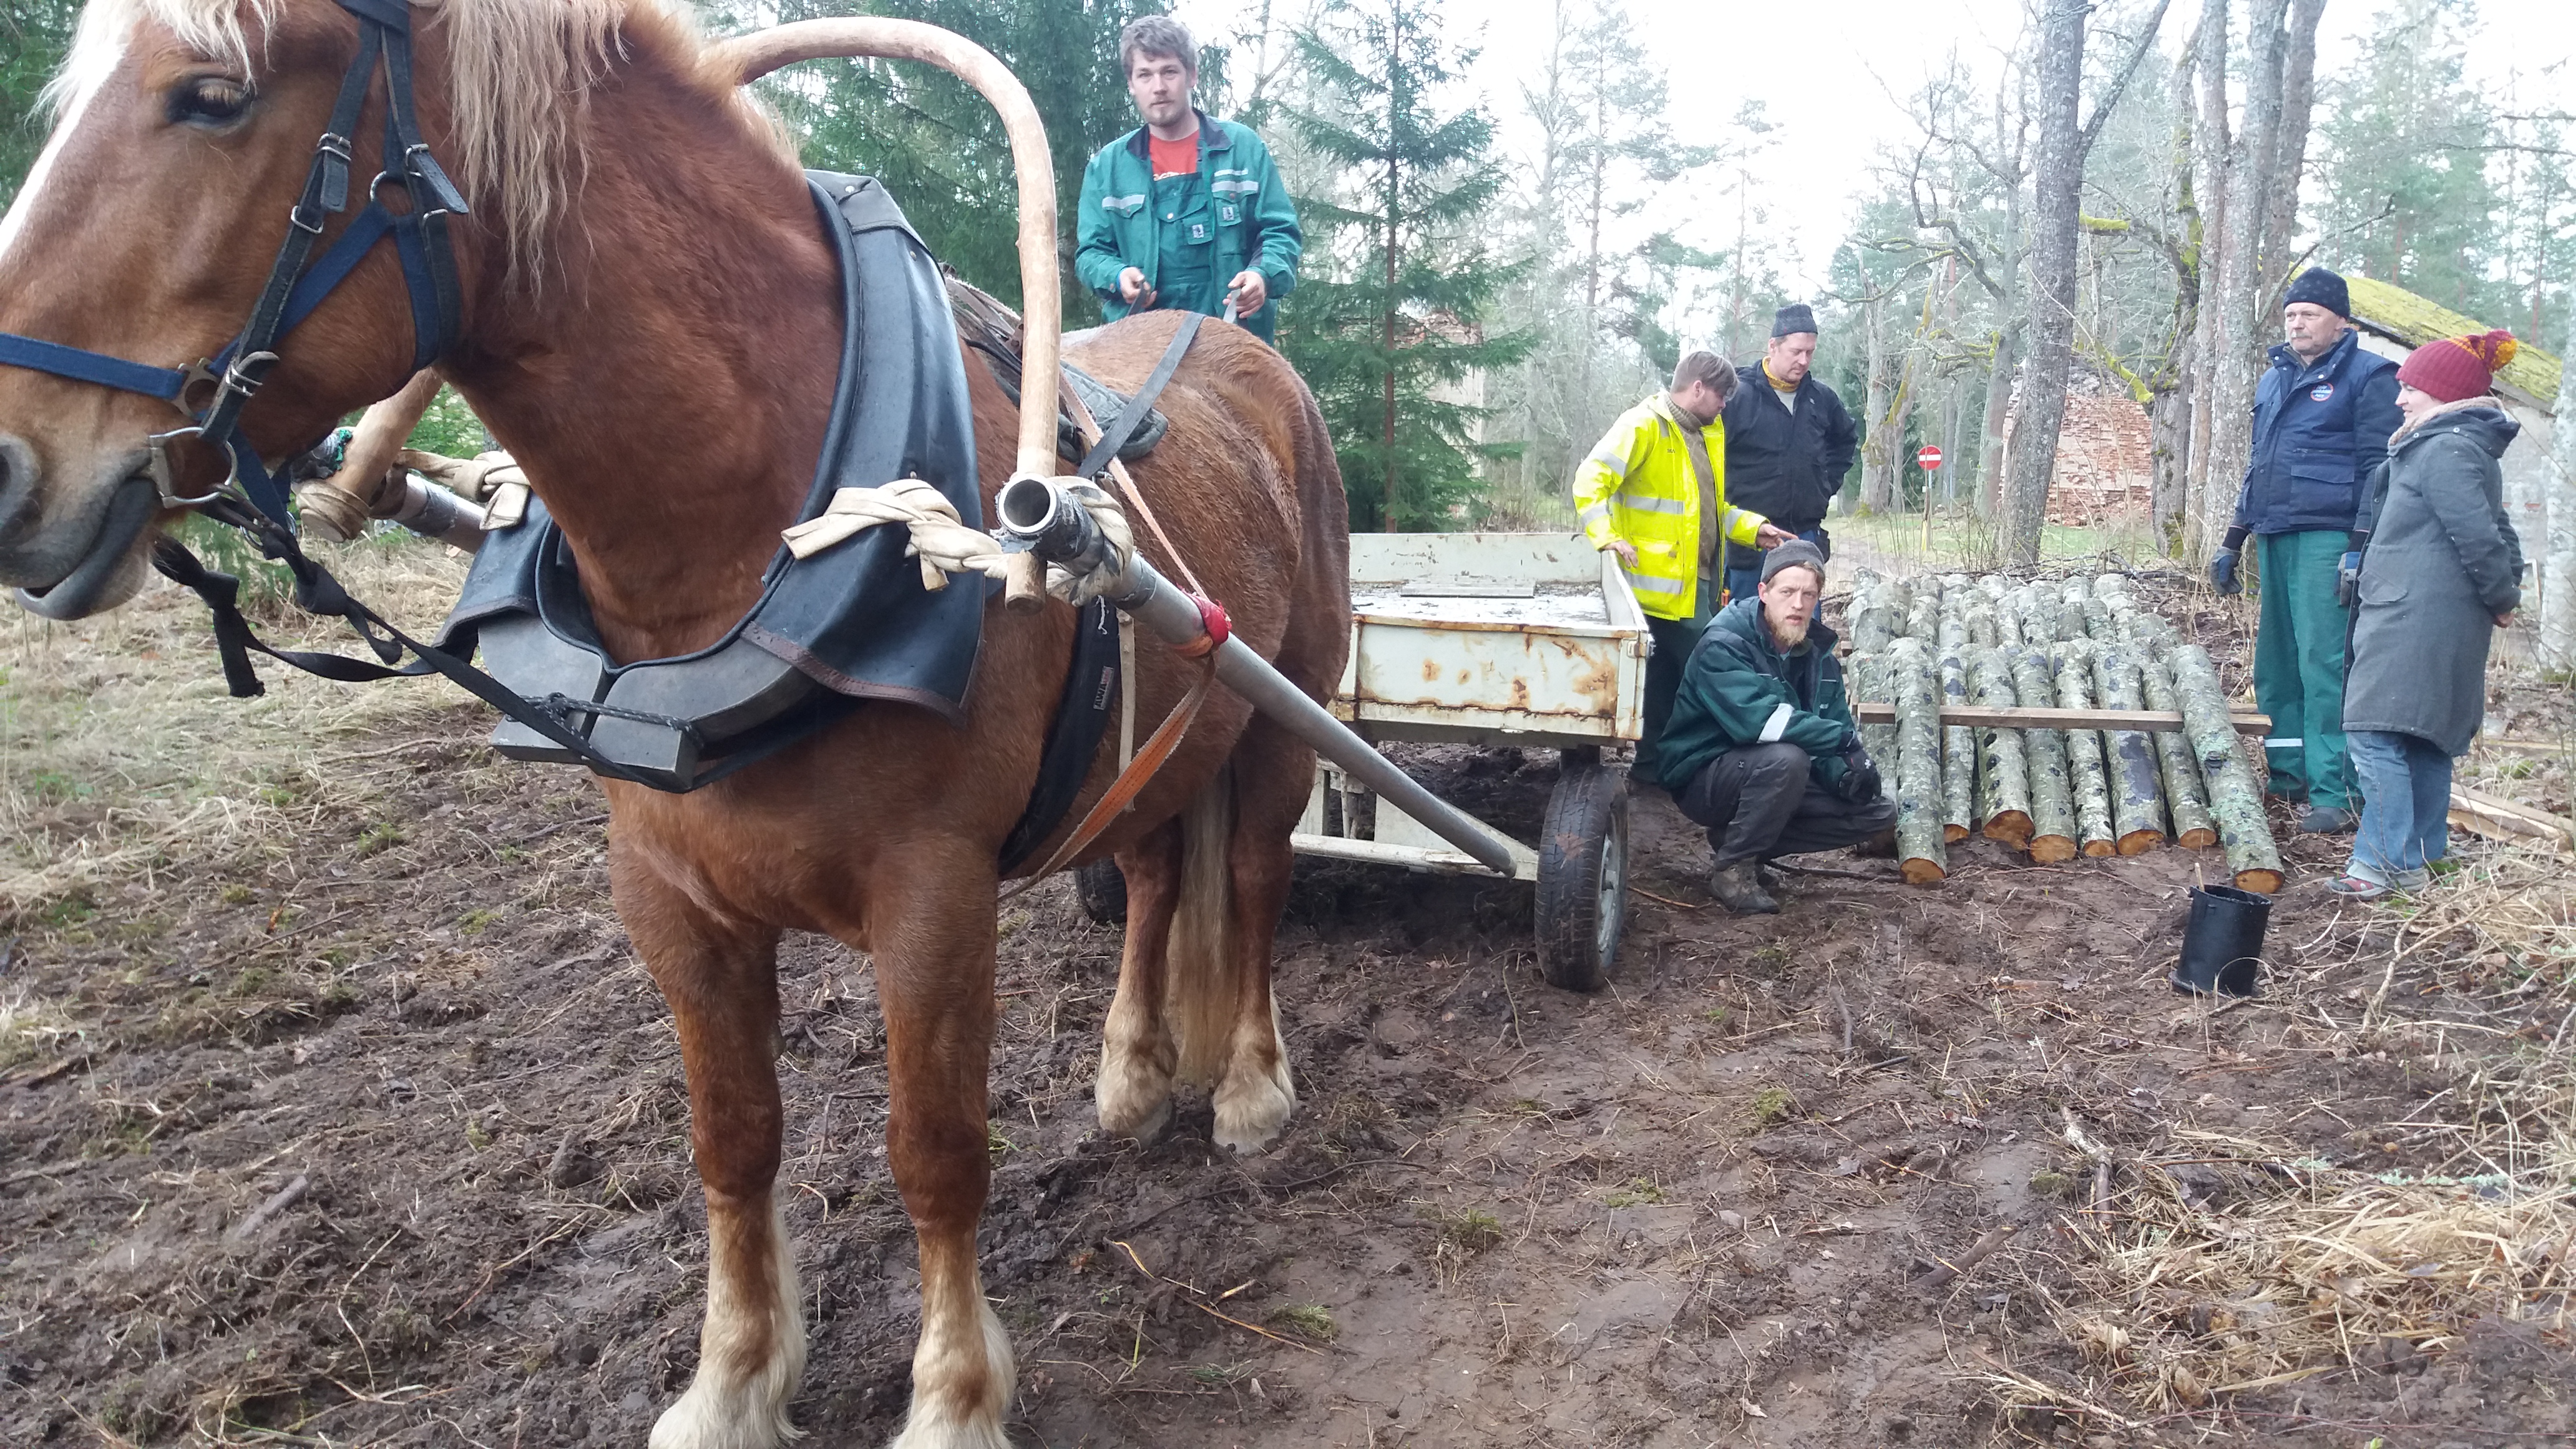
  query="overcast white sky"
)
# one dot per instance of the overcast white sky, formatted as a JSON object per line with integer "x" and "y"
{"x": 1826, "y": 70}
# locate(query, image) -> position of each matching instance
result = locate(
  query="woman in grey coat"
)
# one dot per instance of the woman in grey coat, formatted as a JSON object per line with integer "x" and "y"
{"x": 2441, "y": 571}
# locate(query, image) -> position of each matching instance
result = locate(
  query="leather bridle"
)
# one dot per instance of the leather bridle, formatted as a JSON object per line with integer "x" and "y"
{"x": 298, "y": 282}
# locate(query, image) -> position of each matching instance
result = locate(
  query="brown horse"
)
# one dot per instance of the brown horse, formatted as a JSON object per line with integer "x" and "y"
{"x": 650, "y": 325}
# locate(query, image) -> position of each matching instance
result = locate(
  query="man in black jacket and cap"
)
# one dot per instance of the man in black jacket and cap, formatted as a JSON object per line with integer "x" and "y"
{"x": 1789, "y": 441}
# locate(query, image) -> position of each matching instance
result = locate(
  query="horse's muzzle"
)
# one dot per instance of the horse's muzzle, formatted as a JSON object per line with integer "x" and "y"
{"x": 109, "y": 571}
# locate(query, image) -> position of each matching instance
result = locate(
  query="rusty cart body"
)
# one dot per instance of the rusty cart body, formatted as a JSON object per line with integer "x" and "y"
{"x": 1531, "y": 640}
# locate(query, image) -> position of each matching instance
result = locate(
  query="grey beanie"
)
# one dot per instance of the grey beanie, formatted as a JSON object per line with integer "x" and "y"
{"x": 1797, "y": 553}
{"x": 1794, "y": 318}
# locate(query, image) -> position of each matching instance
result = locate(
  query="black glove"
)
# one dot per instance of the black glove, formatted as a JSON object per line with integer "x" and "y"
{"x": 1860, "y": 783}
{"x": 2222, "y": 572}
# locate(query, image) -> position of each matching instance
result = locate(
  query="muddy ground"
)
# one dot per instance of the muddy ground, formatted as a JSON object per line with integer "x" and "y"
{"x": 1719, "y": 1203}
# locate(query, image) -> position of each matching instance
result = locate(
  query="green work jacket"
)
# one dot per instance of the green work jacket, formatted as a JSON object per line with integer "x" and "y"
{"x": 1197, "y": 231}
{"x": 1739, "y": 689}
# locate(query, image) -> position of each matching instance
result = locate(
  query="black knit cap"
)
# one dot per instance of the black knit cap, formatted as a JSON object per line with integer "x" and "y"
{"x": 1797, "y": 553}
{"x": 2323, "y": 288}
{"x": 1796, "y": 317}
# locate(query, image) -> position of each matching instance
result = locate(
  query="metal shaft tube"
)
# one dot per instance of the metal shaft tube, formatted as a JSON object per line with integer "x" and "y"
{"x": 1169, "y": 613}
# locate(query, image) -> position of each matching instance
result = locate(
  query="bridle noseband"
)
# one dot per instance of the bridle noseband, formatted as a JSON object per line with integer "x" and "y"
{"x": 299, "y": 281}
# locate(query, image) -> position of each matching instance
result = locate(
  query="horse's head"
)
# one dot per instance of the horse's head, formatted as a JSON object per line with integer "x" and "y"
{"x": 187, "y": 132}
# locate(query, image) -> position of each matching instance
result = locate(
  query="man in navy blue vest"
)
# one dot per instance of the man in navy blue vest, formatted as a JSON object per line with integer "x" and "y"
{"x": 2321, "y": 423}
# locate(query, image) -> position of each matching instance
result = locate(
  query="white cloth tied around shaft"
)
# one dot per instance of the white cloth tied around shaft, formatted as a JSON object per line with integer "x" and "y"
{"x": 946, "y": 545}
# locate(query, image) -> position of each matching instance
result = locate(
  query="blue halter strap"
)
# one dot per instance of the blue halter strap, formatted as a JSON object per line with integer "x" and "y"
{"x": 213, "y": 392}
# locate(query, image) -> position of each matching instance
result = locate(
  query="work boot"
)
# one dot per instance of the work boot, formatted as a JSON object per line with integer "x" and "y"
{"x": 1738, "y": 887}
{"x": 1881, "y": 846}
{"x": 2325, "y": 820}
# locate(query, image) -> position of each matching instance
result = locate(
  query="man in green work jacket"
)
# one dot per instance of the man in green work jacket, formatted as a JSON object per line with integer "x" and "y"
{"x": 1185, "y": 212}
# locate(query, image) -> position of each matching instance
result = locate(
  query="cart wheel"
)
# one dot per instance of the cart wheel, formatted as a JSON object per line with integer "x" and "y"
{"x": 1583, "y": 875}
{"x": 1102, "y": 890}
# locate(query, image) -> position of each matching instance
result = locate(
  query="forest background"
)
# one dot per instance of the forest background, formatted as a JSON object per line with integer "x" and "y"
{"x": 1518, "y": 215}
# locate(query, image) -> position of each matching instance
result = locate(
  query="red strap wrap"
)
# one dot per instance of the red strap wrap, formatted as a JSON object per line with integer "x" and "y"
{"x": 1219, "y": 629}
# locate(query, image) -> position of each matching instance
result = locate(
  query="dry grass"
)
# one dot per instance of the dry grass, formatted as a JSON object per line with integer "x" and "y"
{"x": 2229, "y": 1264}
{"x": 107, "y": 770}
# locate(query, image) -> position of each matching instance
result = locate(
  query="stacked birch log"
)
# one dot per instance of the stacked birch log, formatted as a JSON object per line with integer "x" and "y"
{"x": 1925, "y": 643}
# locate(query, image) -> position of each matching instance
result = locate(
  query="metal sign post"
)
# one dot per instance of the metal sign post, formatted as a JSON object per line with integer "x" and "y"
{"x": 1928, "y": 458}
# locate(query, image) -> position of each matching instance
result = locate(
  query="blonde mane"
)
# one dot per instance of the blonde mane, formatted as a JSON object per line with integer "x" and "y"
{"x": 520, "y": 77}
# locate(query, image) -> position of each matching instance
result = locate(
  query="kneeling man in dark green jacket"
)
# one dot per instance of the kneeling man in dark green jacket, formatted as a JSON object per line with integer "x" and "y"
{"x": 1761, "y": 748}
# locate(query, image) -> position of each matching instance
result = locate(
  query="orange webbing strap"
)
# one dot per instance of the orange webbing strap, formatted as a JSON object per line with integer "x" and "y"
{"x": 1082, "y": 419}
{"x": 1131, "y": 781}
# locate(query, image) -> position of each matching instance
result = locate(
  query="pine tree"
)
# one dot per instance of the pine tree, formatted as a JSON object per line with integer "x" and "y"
{"x": 33, "y": 38}
{"x": 1393, "y": 307}
{"x": 2408, "y": 199}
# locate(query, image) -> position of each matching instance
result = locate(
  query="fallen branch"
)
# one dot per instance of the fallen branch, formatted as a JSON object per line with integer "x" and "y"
{"x": 286, "y": 1197}
{"x": 1978, "y": 1252}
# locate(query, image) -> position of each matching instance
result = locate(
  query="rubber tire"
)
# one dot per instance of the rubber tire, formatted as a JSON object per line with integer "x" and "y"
{"x": 1580, "y": 913}
{"x": 1102, "y": 889}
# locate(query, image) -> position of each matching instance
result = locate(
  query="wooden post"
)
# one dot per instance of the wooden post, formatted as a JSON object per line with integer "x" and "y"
{"x": 2072, "y": 663}
{"x": 2185, "y": 798}
{"x": 2003, "y": 775}
{"x": 2235, "y": 801}
{"x": 1920, "y": 851}
{"x": 2137, "y": 794}
{"x": 2052, "y": 804}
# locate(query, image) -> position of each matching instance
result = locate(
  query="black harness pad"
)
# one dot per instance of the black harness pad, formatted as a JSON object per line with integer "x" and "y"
{"x": 1091, "y": 686}
{"x": 993, "y": 330}
{"x": 852, "y": 622}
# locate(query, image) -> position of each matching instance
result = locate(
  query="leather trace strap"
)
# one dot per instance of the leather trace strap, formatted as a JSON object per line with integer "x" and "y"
{"x": 1123, "y": 427}
{"x": 317, "y": 592}
{"x": 298, "y": 281}
{"x": 1131, "y": 782}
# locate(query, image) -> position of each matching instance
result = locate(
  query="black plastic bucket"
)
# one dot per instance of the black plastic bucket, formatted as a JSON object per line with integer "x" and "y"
{"x": 2222, "y": 945}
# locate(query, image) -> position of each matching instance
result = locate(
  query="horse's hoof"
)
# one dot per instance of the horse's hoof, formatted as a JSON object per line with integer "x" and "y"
{"x": 702, "y": 1419}
{"x": 1135, "y": 1096}
{"x": 1252, "y": 1107}
{"x": 1135, "y": 1119}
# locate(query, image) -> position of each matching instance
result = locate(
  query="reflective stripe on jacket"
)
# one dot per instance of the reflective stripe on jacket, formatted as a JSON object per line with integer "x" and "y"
{"x": 1638, "y": 487}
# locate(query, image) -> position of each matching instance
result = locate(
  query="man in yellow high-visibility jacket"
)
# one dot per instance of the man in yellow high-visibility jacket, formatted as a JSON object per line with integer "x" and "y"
{"x": 1649, "y": 493}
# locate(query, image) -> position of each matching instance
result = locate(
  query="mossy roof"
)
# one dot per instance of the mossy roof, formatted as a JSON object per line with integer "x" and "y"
{"x": 2413, "y": 320}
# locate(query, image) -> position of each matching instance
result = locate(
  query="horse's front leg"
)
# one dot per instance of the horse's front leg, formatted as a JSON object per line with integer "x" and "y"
{"x": 934, "y": 946}
{"x": 720, "y": 978}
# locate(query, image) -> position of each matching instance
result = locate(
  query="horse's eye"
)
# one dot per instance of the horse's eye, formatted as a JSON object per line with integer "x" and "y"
{"x": 209, "y": 101}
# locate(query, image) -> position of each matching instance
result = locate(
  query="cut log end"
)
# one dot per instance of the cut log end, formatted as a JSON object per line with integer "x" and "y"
{"x": 2198, "y": 839}
{"x": 2261, "y": 882}
{"x": 2100, "y": 849}
{"x": 1952, "y": 834}
{"x": 1923, "y": 871}
{"x": 2139, "y": 842}
{"x": 2012, "y": 827}
{"x": 2052, "y": 849}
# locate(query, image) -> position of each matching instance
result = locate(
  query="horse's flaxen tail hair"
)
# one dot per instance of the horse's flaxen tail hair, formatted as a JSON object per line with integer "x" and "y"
{"x": 1200, "y": 992}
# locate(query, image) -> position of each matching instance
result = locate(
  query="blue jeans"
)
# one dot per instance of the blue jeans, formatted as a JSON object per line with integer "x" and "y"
{"x": 1744, "y": 565}
{"x": 2405, "y": 806}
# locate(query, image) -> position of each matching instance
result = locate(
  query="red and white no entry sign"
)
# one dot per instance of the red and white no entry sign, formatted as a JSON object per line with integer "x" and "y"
{"x": 1927, "y": 456}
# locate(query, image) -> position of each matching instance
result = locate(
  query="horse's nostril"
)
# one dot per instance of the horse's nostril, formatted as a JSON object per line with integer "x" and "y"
{"x": 18, "y": 501}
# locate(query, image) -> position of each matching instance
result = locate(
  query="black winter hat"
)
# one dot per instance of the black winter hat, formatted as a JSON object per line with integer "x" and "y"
{"x": 1797, "y": 553}
{"x": 1796, "y": 317}
{"x": 2323, "y": 288}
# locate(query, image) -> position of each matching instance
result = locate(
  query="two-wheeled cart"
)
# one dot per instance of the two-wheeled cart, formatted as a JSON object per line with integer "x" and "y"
{"x": 1529, "y": 640}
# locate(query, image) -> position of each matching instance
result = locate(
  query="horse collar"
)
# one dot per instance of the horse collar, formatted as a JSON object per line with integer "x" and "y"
{"x": 850, "y": 623}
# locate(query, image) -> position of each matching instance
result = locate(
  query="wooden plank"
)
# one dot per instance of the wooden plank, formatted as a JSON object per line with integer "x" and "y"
{"x": 2503, "y": 819}
{"x": 2034, "y": 717}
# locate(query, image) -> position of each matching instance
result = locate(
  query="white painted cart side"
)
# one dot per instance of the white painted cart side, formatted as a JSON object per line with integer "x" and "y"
{"x": 1520, "y": 639}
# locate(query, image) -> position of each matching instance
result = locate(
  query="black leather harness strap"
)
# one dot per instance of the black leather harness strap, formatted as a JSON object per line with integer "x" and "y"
{"x": 1115, "y": 436}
